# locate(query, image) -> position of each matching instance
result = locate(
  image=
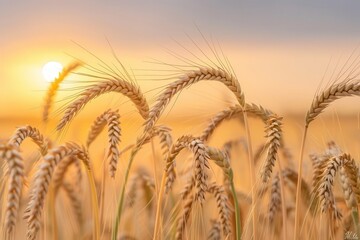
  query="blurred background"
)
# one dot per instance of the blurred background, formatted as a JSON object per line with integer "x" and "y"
{"x": 282, "y": 52}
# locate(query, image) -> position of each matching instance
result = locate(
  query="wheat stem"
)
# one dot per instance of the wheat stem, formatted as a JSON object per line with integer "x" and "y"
{"x": 355, "y": 217}
{"x": 52, "y": 213}
{"x": 237, "y": 209}
{"x": 283, "y": 206}
{"x": 159, "y": 204}
{"x": 252, "y": 176}
{"x": 122, "y": 197}
{"x": 94, "y": 202}
{"x": 298, "y": 188}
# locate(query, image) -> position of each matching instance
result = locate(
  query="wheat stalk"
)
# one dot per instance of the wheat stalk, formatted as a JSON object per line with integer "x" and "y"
{"x": 114, "y": 133}
{"x": 170, "y": 163}
{"x": 114, "y": 85}
{"x": 346, "y": 88}
{"x": 223, "y": 207}
{"x": 321, "y": 101}
{"x": 275, "y": 197}
{"x": 274, "y": 134}
{"x": 215, "y": 231}
{"x": 320, "y": 162}
{"x": 325, "y": 187}
{"x": 166, "y": 140}
{"x": 221, "y": 159}
{"x": 200, "y": 159}
{"x": 235, "y": 111}
{"x": 42, "y": 181}
{"x": 348, "y": 190}
{"x": 231, "y": 112}
{"x": 14, "y": 161}
{"x": 200, "y": 164}
{"x": 273, "y": 130}
{"x": 97, "y": 127}
{"x": 22, "y": 133}
{"x": 54, "y": 86}
{"x": 189, "y": 78}
{"x": 144, "y": 138}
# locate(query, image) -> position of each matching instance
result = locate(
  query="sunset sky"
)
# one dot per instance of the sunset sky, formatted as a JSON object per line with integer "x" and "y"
{"x": 280, "y": 50}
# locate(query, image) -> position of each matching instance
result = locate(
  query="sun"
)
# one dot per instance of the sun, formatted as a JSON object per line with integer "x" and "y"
{"x": 51, "y": 71}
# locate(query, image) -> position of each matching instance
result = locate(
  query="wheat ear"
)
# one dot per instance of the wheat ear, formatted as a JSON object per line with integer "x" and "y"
{"x": 15, "y": 164}
{"x": 22, "y": 133}
{"x": 114, "y": 85}
{"x": 215, "y": 231}
{"x": 273, "y": 130}
{"x": 275, "y": 198}
{"x": 97, "y": 127}
{"x": 42, "y": 181}
{"x": 176, "y": 148}
{"x": 200, "y": 164}
{"x": 54, "y": 86}
{"x": 200, "y": 159}
{"x": 274, "y": 134}
{"x": 235, "y": 111}
{"x": 221, "y": 158}
{"x": 348, "y": 87}
{"x": 329, "y": 95}
{"x": 189, "y": 78}
{"x": 114, "y": 133}
{"x": 325, "y": 187}
{"x": 223, "y": 207}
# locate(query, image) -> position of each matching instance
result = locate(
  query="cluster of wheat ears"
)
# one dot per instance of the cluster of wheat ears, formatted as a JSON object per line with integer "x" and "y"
{"x": 238, "y": 214}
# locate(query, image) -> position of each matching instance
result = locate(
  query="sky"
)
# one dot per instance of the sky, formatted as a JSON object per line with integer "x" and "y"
{"x": 280, "y": 50}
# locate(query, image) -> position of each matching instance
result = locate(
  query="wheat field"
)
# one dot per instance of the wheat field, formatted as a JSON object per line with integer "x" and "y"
{"x": 243, "y": 172}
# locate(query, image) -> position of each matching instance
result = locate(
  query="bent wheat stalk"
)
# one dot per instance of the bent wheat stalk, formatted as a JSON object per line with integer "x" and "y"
{"x": 24, "y": 132}
{"x": 156, "y": 131}
{"x": 113, "y": 85}
{"x": 201, "y": 158}
{"x": 54, "y": 86}
{"x": 345, "y": 163}
{"x": 15, "y": 164}
{"x": 111, "y": 118}
{"x": 273, "y": 133}
{"x": 234, "y": 112}
{"x": 189, "y": 78}
{"x": 222, "y": 160}
{"x": 347, "y": 88}
{"x": 215, "y": 231}
{"x": 223, "y": 207}
{"x": 201, "y": 163}
{"x": 42, "y": 182}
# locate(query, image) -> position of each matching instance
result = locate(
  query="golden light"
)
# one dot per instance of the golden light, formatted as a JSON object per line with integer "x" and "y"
{"x": 51, "y": 71}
